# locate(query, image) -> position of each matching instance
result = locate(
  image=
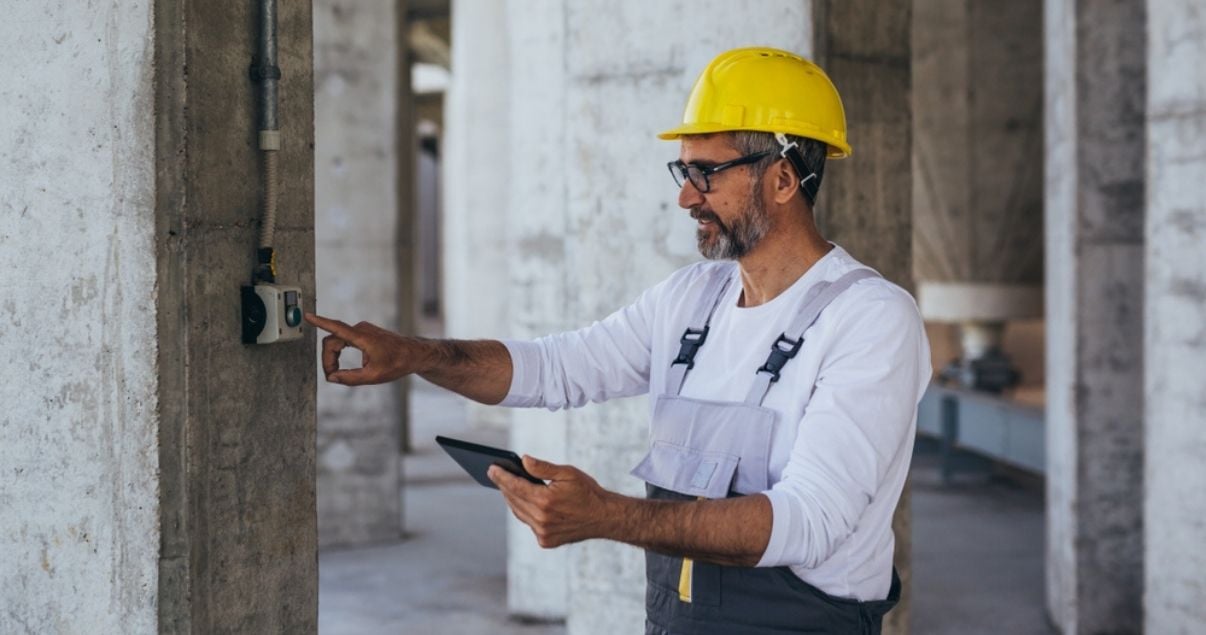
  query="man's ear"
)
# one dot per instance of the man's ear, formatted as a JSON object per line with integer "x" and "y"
{"x": 786, "y": 183}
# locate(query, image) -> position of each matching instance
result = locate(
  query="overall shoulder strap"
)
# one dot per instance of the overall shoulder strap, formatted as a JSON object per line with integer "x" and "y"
{"x": 697, "y": 329}
{"x": 788, "y": 344}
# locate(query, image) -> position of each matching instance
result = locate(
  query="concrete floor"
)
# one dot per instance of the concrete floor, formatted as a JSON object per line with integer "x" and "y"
{"x": 977, "y": 558}
{"x": 977, "y": 551}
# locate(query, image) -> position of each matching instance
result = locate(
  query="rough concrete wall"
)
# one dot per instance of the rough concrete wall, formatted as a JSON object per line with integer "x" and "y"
{"x": 977, "y": 104}
{"x": 1175, "y": 320}
{"x": 79, "y": 491}
{"x": 356, "y": 217}
{"x": 237, "y": 433}
{"x": 1095, "y": 87}
{"x": 865, "y": 202}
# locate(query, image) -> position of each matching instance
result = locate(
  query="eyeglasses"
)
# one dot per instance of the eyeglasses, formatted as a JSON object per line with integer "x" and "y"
{"x": 698, "y": 175}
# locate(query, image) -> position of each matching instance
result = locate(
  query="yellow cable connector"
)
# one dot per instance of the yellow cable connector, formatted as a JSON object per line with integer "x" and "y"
{"x": 265, "y": 268}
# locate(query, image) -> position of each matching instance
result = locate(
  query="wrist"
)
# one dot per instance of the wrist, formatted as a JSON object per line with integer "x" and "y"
{"x": 617, "y": 512}
{"x": 426, "y": 355}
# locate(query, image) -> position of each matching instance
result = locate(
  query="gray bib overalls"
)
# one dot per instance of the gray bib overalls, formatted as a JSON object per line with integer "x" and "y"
{"x": 718, "y": 449}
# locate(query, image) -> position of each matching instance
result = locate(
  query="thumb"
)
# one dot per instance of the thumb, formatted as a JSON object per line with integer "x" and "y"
{"x": 542, "y": 469}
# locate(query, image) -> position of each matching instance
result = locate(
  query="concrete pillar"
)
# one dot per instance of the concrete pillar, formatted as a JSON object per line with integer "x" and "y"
{"x": 406, "y": 231}
{"x": 978, "y": 161}
{"x": 1174, "y": 315}
{"x": 503, "y": 224}
{"x": 476, "y": 256}
{"x": 977, "y": 142}
{"x": 592, "y": 219}
{"x": 590, "y": 223}
{"x": 427, "y": 188}
{"x": 1095, "y": 84}
{"x": 622, "y": 229}
{"x": 866, "y": 201}
{"x": 236, "y": 422}
{"x": 475, "y": 192}
{"x": 356, "y": 215}
{"x": 78, "y": 244}
{"x": 537, "y": 291}
{"x": 159, "y": 474}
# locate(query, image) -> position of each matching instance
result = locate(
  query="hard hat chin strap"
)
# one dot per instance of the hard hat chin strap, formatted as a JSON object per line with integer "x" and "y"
{"x": 790, "y": 150}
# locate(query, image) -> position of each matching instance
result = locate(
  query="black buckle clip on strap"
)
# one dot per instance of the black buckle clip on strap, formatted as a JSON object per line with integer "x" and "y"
{"x": 790, "y": 150}
{"x": 690, "y": 342}
{"x": 779, "y": 355}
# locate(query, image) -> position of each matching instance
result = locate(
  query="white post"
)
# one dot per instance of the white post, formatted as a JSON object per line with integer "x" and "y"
{"x": 356, "y": 216}
{"x": 1174, "y": 319}
{"x": 1094, "y": 152}
{"x": 79, "y": 531}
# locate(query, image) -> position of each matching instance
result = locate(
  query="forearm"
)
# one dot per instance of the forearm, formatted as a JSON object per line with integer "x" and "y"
{"x": 478, "y": 369}
{"x": 732, "y": 531}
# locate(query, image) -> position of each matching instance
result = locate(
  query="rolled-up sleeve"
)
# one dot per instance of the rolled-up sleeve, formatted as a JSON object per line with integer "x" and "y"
{"x": 858, "y": 420}
{"x": 608, "y": 359}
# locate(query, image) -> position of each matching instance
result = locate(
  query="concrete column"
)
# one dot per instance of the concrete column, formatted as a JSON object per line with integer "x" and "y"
{"x": 591, "y": 223}
{"x": 356, "y": 215}
{"x": 504, "y": 226}
{"x": 1095, "y": 83}
{"x": 592, "y": 227}
{"x": 623, "y": 230}
{"x": 476, "y": 129}
{"x": 237, "y": 423}
{"x": 866, "y": 201}
{"x": 476, "y": 256}
{"x": 978, "y": 161}
{"x": 79, "y": 535}
{"x": 1174, "y": 319}
{"x": 978, "y": 142}
{"x": 406, "y": 232}
{"x": 159, "y": 473}
{"x": 537, "y": 291}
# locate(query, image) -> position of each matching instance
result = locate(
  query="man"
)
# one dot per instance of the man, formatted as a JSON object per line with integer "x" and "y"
{"x": 772, "y": 478}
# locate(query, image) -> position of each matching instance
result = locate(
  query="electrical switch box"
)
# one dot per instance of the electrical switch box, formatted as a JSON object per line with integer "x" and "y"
{"x": 271, "y": 313}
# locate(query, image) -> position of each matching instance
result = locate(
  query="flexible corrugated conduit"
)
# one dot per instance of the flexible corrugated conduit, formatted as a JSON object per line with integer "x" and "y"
{"x": 271, "y": 188}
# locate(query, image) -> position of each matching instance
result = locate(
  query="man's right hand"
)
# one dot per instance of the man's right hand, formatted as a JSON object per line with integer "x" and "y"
{"x": 385, "y": 355}
{"x": 480, "y": 370}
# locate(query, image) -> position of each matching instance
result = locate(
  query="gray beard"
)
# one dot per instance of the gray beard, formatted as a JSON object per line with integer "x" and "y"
{"x": 737, "y": 240}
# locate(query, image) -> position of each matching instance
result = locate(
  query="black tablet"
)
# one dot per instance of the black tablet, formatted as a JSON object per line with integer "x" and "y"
{"x": 476, "y": 459}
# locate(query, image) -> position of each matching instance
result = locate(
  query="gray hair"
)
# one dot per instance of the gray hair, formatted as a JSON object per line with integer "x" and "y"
{"x": 752, "y": 142}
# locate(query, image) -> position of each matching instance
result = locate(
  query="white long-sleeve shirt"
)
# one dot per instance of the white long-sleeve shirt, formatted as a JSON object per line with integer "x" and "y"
{"x": 847, "y": 403}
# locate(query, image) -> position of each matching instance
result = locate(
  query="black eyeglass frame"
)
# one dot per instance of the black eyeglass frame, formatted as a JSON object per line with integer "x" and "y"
{"x": 681, "y": 172}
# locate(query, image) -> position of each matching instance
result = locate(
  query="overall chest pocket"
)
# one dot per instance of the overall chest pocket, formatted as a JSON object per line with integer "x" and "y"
{"x": 706, "y": 448}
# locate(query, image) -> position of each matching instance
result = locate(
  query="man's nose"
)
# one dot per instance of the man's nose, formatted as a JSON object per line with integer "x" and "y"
{"x": 689, "y": 196}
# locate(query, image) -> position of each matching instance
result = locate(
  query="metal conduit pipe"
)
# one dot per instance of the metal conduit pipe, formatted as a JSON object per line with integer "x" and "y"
{"x": 266, "y": 72}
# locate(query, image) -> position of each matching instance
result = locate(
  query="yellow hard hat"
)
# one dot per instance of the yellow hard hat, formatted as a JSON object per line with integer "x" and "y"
{"x": 767, "y": 90}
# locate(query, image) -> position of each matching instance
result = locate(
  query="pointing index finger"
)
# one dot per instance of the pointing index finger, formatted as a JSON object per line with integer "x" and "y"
{"x": 338, "y": 328}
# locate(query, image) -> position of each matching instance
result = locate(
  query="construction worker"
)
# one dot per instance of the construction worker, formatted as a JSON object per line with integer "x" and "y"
{"x": 785, "y": 377}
